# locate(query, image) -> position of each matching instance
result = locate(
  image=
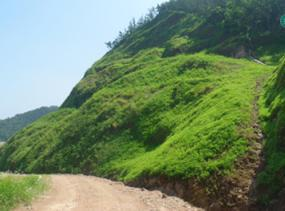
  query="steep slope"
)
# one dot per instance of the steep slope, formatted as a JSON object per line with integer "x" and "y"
{"x": 271, "y": 180}
{"x": 8, "y": 127}
{"x": 232, "y": 28}
{"x": 161, "y": 109}
{"x": 187, "y": 116}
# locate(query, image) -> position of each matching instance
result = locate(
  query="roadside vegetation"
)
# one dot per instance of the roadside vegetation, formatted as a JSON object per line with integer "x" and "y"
{"x": 16, "y": 190}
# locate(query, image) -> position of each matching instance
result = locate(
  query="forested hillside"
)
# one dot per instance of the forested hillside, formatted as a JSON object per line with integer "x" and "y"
{"x": 10, "y": 126}
{"x": 175, "y": 104}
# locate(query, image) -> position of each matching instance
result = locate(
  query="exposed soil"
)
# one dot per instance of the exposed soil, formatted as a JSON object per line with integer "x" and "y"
{"x": 243, "y": 195}
{"x": 86, "y": 193}
{"x": 236, "y": 191}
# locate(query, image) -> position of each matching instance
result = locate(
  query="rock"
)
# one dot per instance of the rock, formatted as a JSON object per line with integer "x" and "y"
{"x": 255, "y": 125}
{"x": 260, "y": 136}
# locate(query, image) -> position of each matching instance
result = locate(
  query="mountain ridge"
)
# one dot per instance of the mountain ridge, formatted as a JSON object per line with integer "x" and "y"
{"x": 9, "y": 126}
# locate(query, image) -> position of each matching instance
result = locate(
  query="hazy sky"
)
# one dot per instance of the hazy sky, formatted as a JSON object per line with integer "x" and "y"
{"x": 47, "y": 45}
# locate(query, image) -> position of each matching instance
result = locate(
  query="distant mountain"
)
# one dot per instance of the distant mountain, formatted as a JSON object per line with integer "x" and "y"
{"x": 8, "y": 127}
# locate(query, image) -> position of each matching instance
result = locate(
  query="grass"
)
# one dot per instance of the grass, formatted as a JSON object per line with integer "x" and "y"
{"x": 179, "y": 116}
{"x": 271, "y": 180}
{"x": 15, "y": 190}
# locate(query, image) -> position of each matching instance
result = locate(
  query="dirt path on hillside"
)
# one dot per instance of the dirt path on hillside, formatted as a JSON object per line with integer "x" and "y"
{"x": 84, "y": 193}
{"x": 243, "y": 195}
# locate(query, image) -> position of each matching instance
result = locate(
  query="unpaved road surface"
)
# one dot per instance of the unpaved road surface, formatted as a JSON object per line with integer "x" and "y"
{"x": 84, "y": 193}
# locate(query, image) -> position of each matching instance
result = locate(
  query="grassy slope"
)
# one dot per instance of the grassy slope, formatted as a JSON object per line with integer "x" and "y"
{"x": 185, "y": 116}
{"x": 174, "y": 32}
{"x": 15, "y": 190}
{"x": 271, "y": 180}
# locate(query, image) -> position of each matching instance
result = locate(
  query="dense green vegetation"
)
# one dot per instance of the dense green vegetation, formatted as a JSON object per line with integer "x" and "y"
{"x": 273, "y": 116}
{"x": 219, "y": 26}
{"x": 178, "y": 30}
{"x": 10, "y": 126}
{"x": 15, "y": 190}
{"x": 167, "y": 101}
{"x": 177, "y": 116}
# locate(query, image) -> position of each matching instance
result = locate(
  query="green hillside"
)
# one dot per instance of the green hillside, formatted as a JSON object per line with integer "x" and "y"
{"x": 271, "y": 180}
{"x": 176, "y": 97}
{"x": 8, "y": 127}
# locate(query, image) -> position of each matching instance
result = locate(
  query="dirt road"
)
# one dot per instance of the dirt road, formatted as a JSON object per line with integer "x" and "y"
{"x": 83, "y": 193}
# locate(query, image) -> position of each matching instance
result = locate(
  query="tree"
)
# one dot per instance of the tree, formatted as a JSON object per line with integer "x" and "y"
{"x": 109, "y": 44}
{"x": 132, "y": 27}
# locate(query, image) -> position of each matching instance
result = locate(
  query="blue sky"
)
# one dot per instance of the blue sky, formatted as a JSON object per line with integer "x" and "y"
{"x": 47, "y": 45}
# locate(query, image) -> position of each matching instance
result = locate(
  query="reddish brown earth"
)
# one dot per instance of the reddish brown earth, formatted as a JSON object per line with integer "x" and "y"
{"x": 85, "y": 193}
